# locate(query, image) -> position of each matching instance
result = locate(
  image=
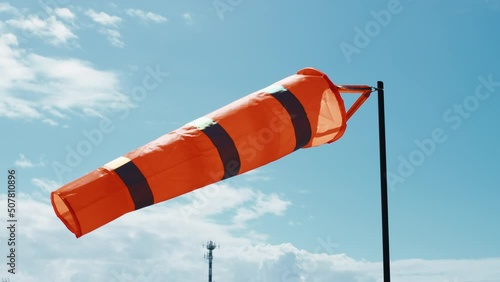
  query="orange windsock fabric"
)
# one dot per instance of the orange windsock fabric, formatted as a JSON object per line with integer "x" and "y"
{"x": 300, "y": 111}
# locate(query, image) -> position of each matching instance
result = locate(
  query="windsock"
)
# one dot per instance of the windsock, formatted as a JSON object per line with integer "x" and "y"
{"x": 300, "y": 111}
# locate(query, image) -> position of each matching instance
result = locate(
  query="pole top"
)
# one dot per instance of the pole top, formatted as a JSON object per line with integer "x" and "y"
{"x": 211, "y": 245}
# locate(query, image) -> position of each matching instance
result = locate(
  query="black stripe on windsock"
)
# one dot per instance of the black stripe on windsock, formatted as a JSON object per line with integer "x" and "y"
{"x": 297, "y": 114}
{"x": 225, "y": 146}
{"x": 136, "y": 183}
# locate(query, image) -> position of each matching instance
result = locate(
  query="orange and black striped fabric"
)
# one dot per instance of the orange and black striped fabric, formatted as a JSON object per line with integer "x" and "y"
{"x": 300, "y": 111}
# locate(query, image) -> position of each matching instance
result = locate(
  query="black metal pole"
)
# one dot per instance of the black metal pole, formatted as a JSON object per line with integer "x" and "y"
{"x": 383, "y": 182}
{"x": 210, "y": 257}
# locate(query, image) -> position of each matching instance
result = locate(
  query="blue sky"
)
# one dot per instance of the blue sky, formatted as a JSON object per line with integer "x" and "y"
{"x": 71, "y": 69}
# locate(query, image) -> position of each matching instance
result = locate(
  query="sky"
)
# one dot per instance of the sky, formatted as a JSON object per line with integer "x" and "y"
{"x": 84, "y": 83}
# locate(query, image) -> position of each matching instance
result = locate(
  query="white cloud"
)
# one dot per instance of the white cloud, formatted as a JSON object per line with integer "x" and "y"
{"x": 45, "y": 184}
{"x": 146, "y": 16}
{"x": 36, "y": 86}
{"x": 106, "y": 21}
{"x": 113, "y": 36}
{"x": 65, "y": 13}
{"x": 154, "y": 244}
{"x": 50, "y": 28}
{"x": 213, "y": 200}
{"x": 256, "y": 175}
{"x": 188, "y": 18}
{"x": 7, "y": 8}
{"x": 103, "y": 19}
{"x": 264, "y": 204}
{"x": 56, "y": 25}
{"x": 54, "y": 112}
{"x": 50, "y": 122}
{"x": 294, "y": 223}
{"x": 246, "y": 204}
{"x": 8, "y": 39}
{"x": 23, "y": 162}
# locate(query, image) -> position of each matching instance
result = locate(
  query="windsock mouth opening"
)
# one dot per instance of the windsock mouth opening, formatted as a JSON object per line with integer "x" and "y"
{"x": 65, "y": 213}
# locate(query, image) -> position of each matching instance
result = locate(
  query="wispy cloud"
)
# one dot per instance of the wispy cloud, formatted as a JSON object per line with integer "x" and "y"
{"x": 36, "y": 88}
{"x": 56, "y": 25}
{"x": 188, "y": 18}
{"x": 213, "y": 200}
{"x": 264, "y": 204}
{"x": 65, "y": 13}
{"x": 146, "y": 16}
{"x": 24, "y": 162}
{"x": 113, "y": 36}
{"x": 108, "y": 27}
{"x": 103, "y": 18}
{"x": 50, "y": 122}
{"x": 245, "y": 204}
{"x": 256, "y": 175}
{"x": 7, "y": 8}
{"x": 50, "y": 28}
{"x": 294, "y": 223}
{"x": 45, "y": 184}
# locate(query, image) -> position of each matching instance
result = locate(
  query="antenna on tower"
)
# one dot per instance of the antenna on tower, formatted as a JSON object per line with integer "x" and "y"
{"x": 210, "y": 247}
